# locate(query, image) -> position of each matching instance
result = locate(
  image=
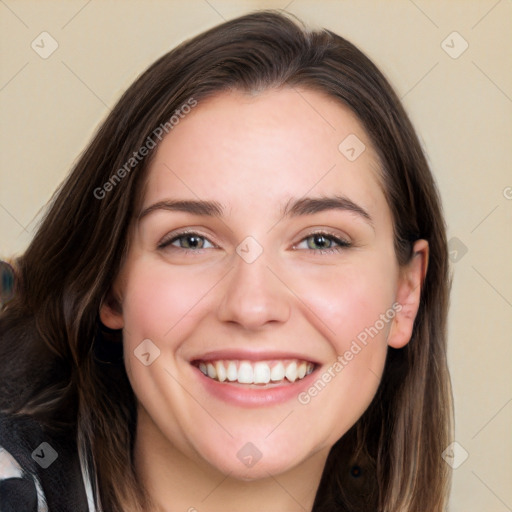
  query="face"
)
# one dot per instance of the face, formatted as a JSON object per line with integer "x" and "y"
{"x": 261, "y": 288}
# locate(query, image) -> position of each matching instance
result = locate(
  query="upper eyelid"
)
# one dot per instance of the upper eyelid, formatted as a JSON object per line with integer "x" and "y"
{"x": 327, "y": 235}
{"x": 175, "y": 236}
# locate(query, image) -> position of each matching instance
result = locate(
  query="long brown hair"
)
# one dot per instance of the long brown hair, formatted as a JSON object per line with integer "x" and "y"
{"x": 79, "y": 248}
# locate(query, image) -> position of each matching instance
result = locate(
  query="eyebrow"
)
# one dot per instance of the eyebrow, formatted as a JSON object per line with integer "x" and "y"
{"x": 312, "y": 205}
{"x": 293, "y": 208}
{"x": 204, "y": 208}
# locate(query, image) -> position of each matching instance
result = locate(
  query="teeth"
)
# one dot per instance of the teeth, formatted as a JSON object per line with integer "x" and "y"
{"x": 301, "y": 370}
{"x": 232, "y": 373}
{"x": 221, "y": 371}
{"x": 245, "y": 373}
{"x": 260, "y": 372}
{"x": 291, "y": 372}
{"x": 277, "y": 373}
{"x": 211, "y": 371}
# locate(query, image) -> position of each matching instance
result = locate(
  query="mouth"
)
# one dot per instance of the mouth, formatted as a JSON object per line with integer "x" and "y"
{"x": 265, "y": 373}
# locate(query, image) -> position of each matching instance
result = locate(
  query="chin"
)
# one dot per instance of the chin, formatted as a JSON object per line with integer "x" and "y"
{"x": 249, "y": 462}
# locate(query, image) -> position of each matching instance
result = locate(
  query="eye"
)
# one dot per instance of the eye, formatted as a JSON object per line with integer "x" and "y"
{"x": 324, "y": 243}
{"x": 188, "y": 241}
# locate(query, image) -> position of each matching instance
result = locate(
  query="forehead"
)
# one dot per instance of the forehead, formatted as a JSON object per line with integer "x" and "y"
{"x": 254, "y": 151}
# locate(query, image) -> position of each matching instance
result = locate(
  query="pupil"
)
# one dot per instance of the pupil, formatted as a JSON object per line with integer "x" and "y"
{"x": 320, "y": 240}
{"x": 193, "y": 241}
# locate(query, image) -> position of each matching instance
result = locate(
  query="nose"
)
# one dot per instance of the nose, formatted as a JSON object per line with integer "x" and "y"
{"x": 254, "y": 295}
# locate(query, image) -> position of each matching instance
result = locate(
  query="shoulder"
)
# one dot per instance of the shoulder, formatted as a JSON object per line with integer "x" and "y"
{"x": 39, "y": 467}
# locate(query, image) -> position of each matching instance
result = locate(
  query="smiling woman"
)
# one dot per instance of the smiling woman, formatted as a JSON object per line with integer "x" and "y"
{"x": 253, "y": 318}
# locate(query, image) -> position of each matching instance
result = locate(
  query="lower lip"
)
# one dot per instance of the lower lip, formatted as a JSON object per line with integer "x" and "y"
{"x": 241, "y": 395}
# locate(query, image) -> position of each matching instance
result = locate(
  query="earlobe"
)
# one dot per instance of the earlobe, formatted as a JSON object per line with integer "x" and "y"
{"x": 408, "y": 295}
{"x": 111, "y": 314}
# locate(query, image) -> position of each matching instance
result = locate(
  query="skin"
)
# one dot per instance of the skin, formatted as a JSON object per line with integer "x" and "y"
{"x": 252, "y": 153}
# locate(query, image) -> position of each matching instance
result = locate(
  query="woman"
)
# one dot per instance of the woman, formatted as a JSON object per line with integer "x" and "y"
{"x": 238, "y": 298}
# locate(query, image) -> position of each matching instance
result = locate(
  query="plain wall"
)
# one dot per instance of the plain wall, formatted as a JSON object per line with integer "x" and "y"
{"x": 461, "y": 108}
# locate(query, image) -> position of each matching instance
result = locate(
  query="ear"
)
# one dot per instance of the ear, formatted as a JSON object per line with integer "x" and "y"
{"x": 410, "y": 283}
{"x": 111, "y": 313}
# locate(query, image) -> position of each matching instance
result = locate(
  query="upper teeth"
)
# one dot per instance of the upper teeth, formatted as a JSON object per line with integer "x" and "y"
{"x": 260, "y": 372}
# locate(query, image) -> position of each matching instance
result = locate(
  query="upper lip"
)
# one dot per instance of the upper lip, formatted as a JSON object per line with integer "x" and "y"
{"x": 250, "y": 355}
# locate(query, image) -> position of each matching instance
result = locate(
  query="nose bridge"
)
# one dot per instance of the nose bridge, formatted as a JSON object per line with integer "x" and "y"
{"x": 253, "y": 296}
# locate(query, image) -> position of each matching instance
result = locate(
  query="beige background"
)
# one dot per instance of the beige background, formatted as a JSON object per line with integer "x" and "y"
{"x": 460, "y": 106}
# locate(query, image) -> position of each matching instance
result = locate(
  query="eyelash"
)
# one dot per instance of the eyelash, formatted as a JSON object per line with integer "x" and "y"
{"x": 342, "y": 243}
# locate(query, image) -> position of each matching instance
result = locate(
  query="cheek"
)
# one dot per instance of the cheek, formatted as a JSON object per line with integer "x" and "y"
{"x": 345, "y": 303}
{"x": 160, "y": 298}
{"x": 349, "y": 306}
{"x": 162, "y": 304}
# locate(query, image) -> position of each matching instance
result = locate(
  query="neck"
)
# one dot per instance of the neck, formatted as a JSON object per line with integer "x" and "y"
{"x": 176, "y": 483}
